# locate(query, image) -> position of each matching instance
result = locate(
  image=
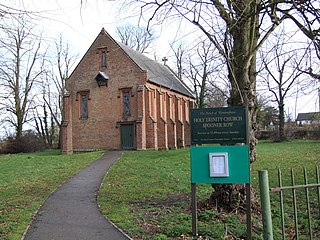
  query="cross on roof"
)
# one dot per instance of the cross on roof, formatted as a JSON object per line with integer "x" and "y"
{"x": 164, "y": 60}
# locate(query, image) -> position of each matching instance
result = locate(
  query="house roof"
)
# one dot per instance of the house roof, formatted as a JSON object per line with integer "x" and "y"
{"x": 308, "y": 116}
{"x": 157, "y": 73}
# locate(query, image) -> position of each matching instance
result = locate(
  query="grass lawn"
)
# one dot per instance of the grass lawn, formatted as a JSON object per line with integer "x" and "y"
{"x": 147, "y": 193}
{"x": 26, "y": 180}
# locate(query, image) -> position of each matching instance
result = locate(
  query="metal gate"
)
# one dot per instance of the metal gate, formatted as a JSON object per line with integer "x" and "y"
{"x": 127, "y": 136}
{"x": 305, "y": 220}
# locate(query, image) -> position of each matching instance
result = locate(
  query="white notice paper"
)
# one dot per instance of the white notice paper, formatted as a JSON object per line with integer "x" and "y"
{"x": 218, "y": 164}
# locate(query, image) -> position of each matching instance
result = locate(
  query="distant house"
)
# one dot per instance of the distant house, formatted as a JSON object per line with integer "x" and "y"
{"x": 310, "y": 118}
{"x": 118, "y": 98}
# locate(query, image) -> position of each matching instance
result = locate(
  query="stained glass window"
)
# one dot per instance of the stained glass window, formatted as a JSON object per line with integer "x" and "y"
{"x": 126, "y": 104}
{"x": 84, "y": 106}
{"x": 104, "y": 59}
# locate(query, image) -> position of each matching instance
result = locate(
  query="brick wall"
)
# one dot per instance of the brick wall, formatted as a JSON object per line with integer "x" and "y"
{"x": 101, "y": 130}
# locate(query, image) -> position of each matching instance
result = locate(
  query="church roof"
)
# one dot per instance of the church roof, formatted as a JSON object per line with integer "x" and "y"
{"x": 157, "y": 73}
{"x": 310, "y": 116}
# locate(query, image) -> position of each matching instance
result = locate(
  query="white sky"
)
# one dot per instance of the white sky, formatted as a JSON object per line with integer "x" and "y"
{"x": 79, "y": 25}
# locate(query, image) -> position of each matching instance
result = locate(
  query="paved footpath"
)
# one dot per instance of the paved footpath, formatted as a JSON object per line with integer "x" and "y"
{"x": 72, "y": 213}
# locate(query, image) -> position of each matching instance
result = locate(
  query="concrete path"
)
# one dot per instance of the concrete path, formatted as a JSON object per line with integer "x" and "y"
{"x": 71, "y": 212}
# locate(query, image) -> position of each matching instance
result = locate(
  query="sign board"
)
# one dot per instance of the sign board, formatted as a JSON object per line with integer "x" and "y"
{"x": 218, "y": 125}
{"x": 220, "y": 164}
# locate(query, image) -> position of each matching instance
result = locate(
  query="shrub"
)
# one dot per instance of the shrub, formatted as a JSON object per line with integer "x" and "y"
{"x": 29, "y": 142}
{"x": 291, "y": 134}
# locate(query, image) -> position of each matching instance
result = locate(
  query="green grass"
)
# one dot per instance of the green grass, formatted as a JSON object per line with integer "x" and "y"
{"x": 286, "y": 156}
{"x": 26, "y": 180}
{"x": 138, "y": 181}
{"x": 147, "y": 193}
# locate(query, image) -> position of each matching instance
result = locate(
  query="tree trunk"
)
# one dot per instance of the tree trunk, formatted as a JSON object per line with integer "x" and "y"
{"x": 227, "y": 198}
{"x": 242, "y": 75}
{"x": 202, "y": 94}
{"x": 19, "y": 126}
{"x": 19, "y": 131}
{"x": 281, "y": 136}
{"x": 60, "y": 137}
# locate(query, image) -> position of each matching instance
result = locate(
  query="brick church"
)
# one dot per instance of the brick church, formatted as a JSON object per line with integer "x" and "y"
{"x": 118, "y": 98}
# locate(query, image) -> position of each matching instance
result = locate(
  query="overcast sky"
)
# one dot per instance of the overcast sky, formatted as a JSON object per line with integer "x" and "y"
{"x": 80, "y": 24}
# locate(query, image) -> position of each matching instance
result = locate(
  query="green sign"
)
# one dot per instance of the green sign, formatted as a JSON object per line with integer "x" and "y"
{"x": 220, "y": 164}
{"x": 218, "y": 125}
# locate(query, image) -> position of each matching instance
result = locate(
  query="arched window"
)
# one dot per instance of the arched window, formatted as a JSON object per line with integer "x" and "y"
{"x": 83, "y": 104}
{"x": 126, "y": 103}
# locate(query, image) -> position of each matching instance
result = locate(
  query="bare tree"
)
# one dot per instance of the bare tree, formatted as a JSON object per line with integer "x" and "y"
{"x": 54, "y": 84}
{"x": 313, "y": 67}
{"x": 201, "y": 68}
{"x": 138, "y": 38}
{"x": 45, "y": 125}
{"x": 199, "y": 65}
{"x": 9, "y": 12}
{"x": 234, "y": 31}
{"x": 281, "y": 74}
{"x": 311, "y": 73}
{"x": 305, "y": 15}
{"x": 245, "y": 25}
{"x": 216, "y": 96}
{"x": 180, "y": 54}
{"x": 21, "y": 67}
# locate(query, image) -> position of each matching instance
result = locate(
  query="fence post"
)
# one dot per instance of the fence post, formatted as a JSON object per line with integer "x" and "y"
{"x": 265, "y": 205}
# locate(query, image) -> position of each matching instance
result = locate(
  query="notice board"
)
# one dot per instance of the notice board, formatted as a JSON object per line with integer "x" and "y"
{"x": 226, "y": 125}
{"x": 238, "y": 164}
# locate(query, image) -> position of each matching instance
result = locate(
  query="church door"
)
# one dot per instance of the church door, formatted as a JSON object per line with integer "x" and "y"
{"x": 127, "y": 136}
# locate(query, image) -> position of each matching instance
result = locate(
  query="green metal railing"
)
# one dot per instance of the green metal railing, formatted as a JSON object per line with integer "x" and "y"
{"x": 266, "y": 205}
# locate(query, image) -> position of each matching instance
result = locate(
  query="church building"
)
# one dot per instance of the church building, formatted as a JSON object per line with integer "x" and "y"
{"x": 118, "y": 98}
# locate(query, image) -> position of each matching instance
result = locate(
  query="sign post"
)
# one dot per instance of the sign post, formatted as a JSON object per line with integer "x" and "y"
{"x": 194, "y": 209}
{"x": 248, "y": 186}
{"x": 219, "y": 164}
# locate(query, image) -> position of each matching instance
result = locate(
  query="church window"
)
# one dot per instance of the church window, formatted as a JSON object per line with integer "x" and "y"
{"x": 126, "y": 103}
{"x": 84, "y": 106}
{"x": 83, "y": 98}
